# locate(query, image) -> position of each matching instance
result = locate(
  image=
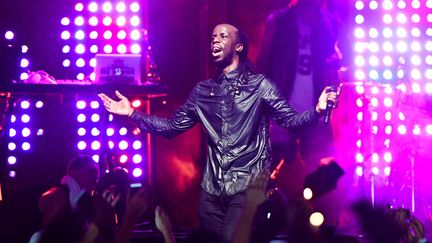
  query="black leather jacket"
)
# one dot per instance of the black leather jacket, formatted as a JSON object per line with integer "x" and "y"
{"x": 235, "y": 115}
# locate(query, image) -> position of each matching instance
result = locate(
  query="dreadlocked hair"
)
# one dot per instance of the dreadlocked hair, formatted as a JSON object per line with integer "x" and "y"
{"x": 245, "y": 67}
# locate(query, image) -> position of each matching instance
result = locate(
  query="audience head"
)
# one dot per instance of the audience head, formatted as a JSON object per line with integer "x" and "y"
{"x": 85, "y": 171}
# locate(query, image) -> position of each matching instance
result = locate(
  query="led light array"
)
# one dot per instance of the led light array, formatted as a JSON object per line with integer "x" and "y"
{"x": 21, "y": 131}
{"x": 97, "y": 134}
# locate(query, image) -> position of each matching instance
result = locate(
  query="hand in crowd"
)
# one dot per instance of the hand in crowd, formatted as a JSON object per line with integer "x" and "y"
{"x": 256, "y": 188}
{"x": 137, "y": 203}
{"x": 103, "y": 209}
{"x": 327, "y": 95}
{"x": 121, "y": 107}
{"x": 163, "y": 224}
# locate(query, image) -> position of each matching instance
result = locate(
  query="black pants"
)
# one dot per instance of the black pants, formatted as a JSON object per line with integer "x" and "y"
{"x": 221, "y": 214}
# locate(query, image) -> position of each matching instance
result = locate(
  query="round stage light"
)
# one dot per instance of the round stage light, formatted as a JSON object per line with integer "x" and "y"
{"x": 137, "y": 172}
{"x": 93, "y": 7}
{"x": 65, "y": 21}
{"x": 107, "y": 7}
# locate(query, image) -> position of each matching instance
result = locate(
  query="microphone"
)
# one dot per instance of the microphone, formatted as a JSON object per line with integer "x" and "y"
{"x": 329, "y": 107}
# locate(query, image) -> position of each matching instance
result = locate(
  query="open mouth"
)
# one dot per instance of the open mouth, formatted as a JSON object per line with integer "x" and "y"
{"x": 216, "y": 51}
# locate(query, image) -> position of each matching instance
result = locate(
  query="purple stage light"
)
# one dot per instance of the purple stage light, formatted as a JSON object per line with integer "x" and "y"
{"x": 121, "y": 7}
{"x": 121, "y": 35}
{"x": 428, "y": 129}
{"x": 110, "y": 132}
{"x": 80, "y": 76}
{"x": 108, "y": 49}
{"x": 123, "y": 131}
{"x": 13, "y": 119}
{"x": 401, "y": 4}
{"x": 95, "y": 132}
{"x": 137, "y": 172}
{"x": 65, "y": 35}
{"x": 359, "y": 158}
{"x": 81, "y": 131}
{"x": 121, "y": 21}
{"x": 415, "y": 87}
{"x": 94, "y": 48}
{"x": 135, "y": 35}
{"x": 40, "y": 132}
{"x": 373, "y": 5}
{"x": 388, "y": 102}
{"x": 107, "y": 7}
{"x": 80, "y": 35}
{"x": 79, "y": 21}
{"x": 137, "y": 158}
{"x": 92, "y": 75}
{"x": 92, "y": 63}
{"x": 80, "y": 49}
{"x": 388, "y": 157}
{"x": 359, "y": 143}
{"x": 66, "y": 63}
{"x": 388, "y": 129}
{"x": 24, "y": 63}
{"x": 359, "y": 19}
{"x": 66, "y": 49}
{"x": 107, "y": 21}
{"x": 12, "y": 160}
{"x": 111, "y": 144}
{"x": 25, "y": 132}
{"x": 374, "y": 116}
{"x": 11, "y": 146}
{"x": 79, "y": 7}
{"x": 135, "y": 21}
{"x": 375, "y": 157}
{"x": 360, "y": 116}
{"x": 95, "y": 117}
{"x": 25, "y": 104}
{"x": 121, "y": 48}
{"x": 387, "y": 171}
{"x": 135, "y": 48}
{"x": 359, "y": 171}
{"x": 12, "y": 174}
{"x": 387, "y": 5}
{"x": 25, "y": 118}
{"x": 65, "y": 21}
{"x": 25, "y": 146}
{"x": 359, "y": 102}
{"x": 388, "y": 116}
{"x": 134, "y": 7}
{"x": 416, "y": 130}
{"x": 123, "y": 145}
{"x": 12, "y": 132}
{"x": 95, "y": 158}
{"x": 93, "y": 7}
{"x": 107, "y": 35}
{"x": 93, "y": 21}
{"x": 402, "y": 129}
{"x": 360, "y": 75}
{"x": 374, "y": 61}
{"x": 81, "y": 145}
{"x": 401, "y": 116}
{"x": 359, "y": 5}
{"x": 9, "y": 35}
{"x": 80, "y": 63}
{"x": 375, "y": 170}
{"x": 387, "y": 74}
{"x": 137, "y": 144}
{"x": 94, "y": 104}
{"x": 81, "y": 118}
{"x": 95, "y": 145}
{"x": 81, "y": 104}
{"x": 123, "y": 158}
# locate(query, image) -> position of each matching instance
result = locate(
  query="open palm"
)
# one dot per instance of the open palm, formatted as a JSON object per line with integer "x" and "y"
{"x": 121, "y": 107}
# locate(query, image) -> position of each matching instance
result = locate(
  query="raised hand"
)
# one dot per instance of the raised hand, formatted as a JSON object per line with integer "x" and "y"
{"x": 121, "y": 107}
{"x": 256, "y": 189}
{"x": 163, "y": 224}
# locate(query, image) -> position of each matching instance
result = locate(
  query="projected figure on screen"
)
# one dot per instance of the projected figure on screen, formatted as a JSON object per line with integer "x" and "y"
{"x": 234, "y": 108}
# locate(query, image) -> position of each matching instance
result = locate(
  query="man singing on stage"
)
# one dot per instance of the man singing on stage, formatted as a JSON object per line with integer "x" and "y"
{"x": 234, "y": 108}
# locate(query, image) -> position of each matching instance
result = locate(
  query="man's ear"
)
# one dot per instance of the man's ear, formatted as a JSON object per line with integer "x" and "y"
{"x": 239, "y": 47}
